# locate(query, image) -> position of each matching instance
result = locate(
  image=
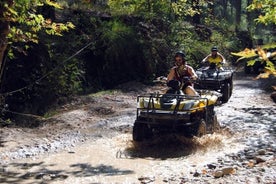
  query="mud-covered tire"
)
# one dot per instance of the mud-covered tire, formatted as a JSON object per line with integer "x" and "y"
{"x": 231, "y": 86}
{"x": 141, "y": 132}
{"x": 138, "y": 132}
{"x": 215, "y": 124}
{"x": 226, "y": 92}
{"x": 201, "y": 129}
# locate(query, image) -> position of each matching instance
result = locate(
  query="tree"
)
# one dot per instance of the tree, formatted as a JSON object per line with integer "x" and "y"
{"x": 267, "y": 11}
{"x": 4, "y": 27}
{"x": 21, "y": 22}
{"x": 237, "y": 4}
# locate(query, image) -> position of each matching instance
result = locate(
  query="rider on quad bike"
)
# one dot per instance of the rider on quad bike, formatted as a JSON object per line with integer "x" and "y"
{"x": 180, "y": 75}
{"x": 215, "y": 60}
{"x": 214, "y": 77}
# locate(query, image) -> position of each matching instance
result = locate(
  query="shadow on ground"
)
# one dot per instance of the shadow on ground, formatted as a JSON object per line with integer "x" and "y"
{"x": 44, "y": 175}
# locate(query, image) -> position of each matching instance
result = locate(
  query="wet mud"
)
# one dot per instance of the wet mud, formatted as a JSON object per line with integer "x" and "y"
{"x": 92, "y": 143}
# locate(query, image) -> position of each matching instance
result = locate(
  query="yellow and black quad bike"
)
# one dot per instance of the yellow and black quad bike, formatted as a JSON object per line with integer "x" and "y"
{"x": 175, "y": 113}
{"x": 220, "y": 80}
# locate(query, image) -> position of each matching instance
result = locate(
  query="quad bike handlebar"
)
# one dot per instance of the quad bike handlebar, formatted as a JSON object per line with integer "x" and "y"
{"x": 175, "y": 84}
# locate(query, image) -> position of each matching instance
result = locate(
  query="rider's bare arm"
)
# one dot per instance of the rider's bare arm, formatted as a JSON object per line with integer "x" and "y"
{"x": 171, "y": 75}
{"x": 192, "y": 73}
{"x": 206, "y": 59}
{"x": 223, "y": 60}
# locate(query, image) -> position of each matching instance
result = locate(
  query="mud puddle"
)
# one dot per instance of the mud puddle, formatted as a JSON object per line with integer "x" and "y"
{"x": 104, "y": 152}
{"x": 119, "y": 160}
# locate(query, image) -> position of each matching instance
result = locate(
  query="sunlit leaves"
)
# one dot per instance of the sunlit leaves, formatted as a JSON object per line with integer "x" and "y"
{"x": 53, "y": 3}
{"x": 21, "y": 22}
{"x": 183, "y": 8}
{"x": 267, "y": 72}
{"x": 147, "y": 8}
{"x": 123, "y": 6}
{"x": 150, "y": 8}
{"x": 24, "y": 13}
{"x": 267, "y": 9}
{"x": 9, "y": 13}
{"x": 251, "y": 62}
{"x": 58, "y": 28}
{"x": 26, "y": 23}
{"x": 262, "y": 55}
{"x": 245, "y": 54}
{"x": 18, "y": 35}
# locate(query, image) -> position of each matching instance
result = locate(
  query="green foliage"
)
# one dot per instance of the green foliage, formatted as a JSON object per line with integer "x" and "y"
{"x": 68, "y": 81}
{"x": 267, "y": 9}
{"x": 263, "y": 54}
{"x": 123, "y": 7}
{"x": 33, "y": 72}
{"x": 164, "y": 9}
{"x": 131, "y": 40}
{"x": 26, "y": 22}
{"x": 121, "y": 53}
{"x": 184, "y": 36}
{"x": 146, "y": 8}
{"x": 116, "y": 32}
{"x": 182, "y": 8}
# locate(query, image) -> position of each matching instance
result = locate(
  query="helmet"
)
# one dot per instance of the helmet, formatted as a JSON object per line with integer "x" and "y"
{"x": 214, "y": 48}
{"x": 180, "y": 53}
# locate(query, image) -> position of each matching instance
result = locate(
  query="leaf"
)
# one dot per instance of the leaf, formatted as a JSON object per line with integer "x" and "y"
{"x": 246, "y": 53}
{"x": 266, "y": 74}
{"x": 269, "y": 46}
{"x": 262, "y": 54}
{"x": 54, "y": 4}
{"x": 270, "y": 65}
{"x": 251, "y": 62}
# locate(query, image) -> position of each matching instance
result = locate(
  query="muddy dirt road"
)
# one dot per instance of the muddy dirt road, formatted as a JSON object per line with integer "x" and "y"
{"x": 90, "y": 142}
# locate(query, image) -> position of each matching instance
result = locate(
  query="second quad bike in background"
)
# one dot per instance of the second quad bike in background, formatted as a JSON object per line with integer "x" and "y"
{"x": 220, "y": 80}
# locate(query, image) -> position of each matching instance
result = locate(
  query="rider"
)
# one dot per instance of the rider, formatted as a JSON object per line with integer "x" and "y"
{"x": 181, "y": 71}
{"x": 215, "y": 59}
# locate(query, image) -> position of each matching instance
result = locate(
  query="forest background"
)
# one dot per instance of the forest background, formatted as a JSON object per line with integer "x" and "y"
{"x": 53, "y": 50}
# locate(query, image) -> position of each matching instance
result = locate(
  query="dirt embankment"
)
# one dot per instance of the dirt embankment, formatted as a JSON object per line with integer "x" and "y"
{"x": 90, "y": 142}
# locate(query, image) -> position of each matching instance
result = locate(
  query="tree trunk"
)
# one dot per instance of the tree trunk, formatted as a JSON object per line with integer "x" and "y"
{"x": 249, "y": 14}
{"x": 4, "y": 31}
{"x": 237, "y": 4}
{"x": 149, "y": 6}
{"x": 196, "y": 7}
{"x": 224, "y": 5}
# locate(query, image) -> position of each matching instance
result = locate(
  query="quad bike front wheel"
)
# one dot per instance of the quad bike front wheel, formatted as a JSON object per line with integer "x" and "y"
{"x": 138, "y": 132}
{"x": 226, "y": 92}
{"x": 141, "y": 132}
{"x": 215, "y": 124}
{"x": 201, "y": 129}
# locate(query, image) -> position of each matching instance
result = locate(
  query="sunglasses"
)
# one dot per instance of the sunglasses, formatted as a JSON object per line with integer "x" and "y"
{"x": 178, "y": 60}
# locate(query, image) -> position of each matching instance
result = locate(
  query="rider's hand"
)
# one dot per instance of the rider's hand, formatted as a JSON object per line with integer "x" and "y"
{"x": 186, "y": 79}
{"x": 194, "y": 77}
{"x": 175, "y": 84}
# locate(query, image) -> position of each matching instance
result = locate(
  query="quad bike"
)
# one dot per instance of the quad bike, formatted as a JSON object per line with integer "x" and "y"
{"x": 220, "y": 80}
{"x": 175, "y": 113}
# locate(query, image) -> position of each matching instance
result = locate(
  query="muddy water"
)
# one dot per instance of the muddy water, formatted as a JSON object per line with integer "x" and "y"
{"x": 118, "y": 160}
{"x": 111, "y": 156}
